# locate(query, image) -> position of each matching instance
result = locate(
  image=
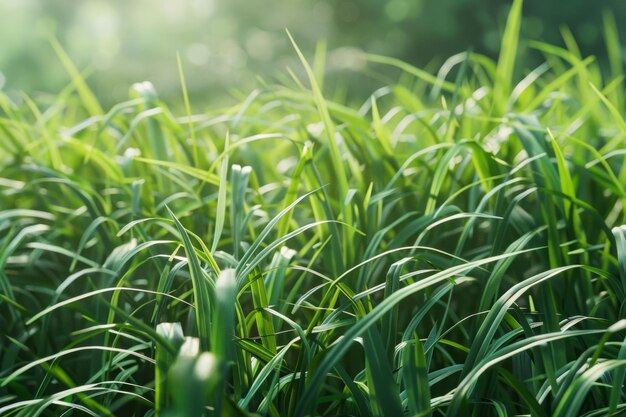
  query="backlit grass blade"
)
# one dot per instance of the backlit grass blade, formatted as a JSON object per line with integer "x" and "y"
{"x": 576, "y": 394}
{"x": 88, "y": 98}
{"x": 66, "y": 352}
{"x": 264, "y": 322}
{"x": 491, "y": 322}
{"x": 55, "y": 156}
{"x": 89, "y": 294}
{"x": 275, "y": 279}
{"x": 611, "y": 38}
{"x": 224, "y": 307}
{"x": 294, "y": 184}
{"x": 239, "y": 184}
{"x": 201, "y": 287}
{"x": 192, "y": 133}
{"x": 221, "y": 199}
{"x": 341, "y": 179}
{"x": 243, "y": 263}
{"x": 147, "y": 93}
{"x": 328, "y": 124}
{"x": 222, "y": 337}
{"x": 189, "y": 170}
{"x": 418, "y": 73}
{"x": 508, "y": 54}
{"x": 460, "y": 396}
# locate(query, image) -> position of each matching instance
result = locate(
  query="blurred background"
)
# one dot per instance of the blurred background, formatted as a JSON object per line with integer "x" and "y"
{"x": 225, "y": 45}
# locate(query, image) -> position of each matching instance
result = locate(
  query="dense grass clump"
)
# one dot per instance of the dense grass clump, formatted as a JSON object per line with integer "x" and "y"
{"x": 452, "y": 247}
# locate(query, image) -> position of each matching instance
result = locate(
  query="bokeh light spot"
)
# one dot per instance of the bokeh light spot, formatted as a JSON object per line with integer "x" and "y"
{"x": 198, "y": 54}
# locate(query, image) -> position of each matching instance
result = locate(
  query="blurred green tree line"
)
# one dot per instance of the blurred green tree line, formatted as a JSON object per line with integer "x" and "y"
{"x": 225, "y": 44}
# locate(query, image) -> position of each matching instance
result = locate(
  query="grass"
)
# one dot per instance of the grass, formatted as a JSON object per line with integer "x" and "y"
{"x": 453, "y": 246}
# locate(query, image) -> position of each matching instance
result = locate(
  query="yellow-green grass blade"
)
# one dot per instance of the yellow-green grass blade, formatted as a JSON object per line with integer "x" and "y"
{"x": 192, "y": 132}
{"x": 87, "y": 97}
{"x": 221, "y": 199}
{"x": 336, "y": 156}
{"x": 506, "y": 60}
{"x": 611, "y": 38}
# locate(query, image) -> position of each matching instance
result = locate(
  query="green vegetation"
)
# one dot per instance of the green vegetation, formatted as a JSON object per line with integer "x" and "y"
{"x": 455, "y": 246}
{"x": 225, "y": 45}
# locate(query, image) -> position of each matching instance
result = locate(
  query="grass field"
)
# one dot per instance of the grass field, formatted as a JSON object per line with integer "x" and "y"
{"x": 453, "y": 246}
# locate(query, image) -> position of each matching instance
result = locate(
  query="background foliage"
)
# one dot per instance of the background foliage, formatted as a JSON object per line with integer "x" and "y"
{"x": 225, "y": 44}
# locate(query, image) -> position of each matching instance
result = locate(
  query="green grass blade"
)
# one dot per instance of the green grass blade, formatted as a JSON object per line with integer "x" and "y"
{"x": 87, "y": 97}
{"x": 201, "y": 287}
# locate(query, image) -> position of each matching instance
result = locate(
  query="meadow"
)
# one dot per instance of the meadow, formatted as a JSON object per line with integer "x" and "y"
{"x": 453, "y": 245}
